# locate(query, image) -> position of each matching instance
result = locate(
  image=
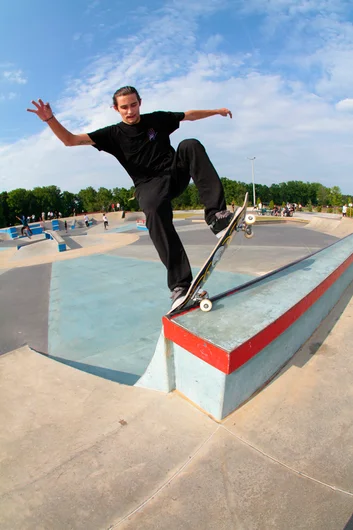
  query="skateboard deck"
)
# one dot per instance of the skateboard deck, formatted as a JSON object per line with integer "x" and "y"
{"x": 240, "y": 222}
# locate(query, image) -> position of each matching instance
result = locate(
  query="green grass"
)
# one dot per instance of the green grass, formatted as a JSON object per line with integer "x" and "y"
{"x": 186, "y": 215}
{"x": 273, "y": 219}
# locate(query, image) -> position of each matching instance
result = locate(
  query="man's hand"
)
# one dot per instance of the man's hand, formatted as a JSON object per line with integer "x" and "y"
{"x": 43, "y": 110}
{"x": 225, "y": 112}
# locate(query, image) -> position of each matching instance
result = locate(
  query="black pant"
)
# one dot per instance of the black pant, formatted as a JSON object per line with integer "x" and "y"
{"x": 27, "y": 229}
{"x": 155, "y": 196}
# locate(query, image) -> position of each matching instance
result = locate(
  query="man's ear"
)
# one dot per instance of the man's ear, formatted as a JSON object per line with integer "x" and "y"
{"x": 115, "y": 108}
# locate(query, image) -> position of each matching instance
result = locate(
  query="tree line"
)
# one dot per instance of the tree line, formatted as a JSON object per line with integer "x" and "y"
{"x": 51, "y": 199}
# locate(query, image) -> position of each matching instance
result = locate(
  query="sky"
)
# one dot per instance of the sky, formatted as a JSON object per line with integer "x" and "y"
{"x": 283, "y": 67}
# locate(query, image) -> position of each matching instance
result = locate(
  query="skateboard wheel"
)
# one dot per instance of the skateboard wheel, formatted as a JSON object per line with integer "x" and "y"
{"x": 250, "y": 219}
{"x": 248, "y": 233}
{"x": 205, "y": 305}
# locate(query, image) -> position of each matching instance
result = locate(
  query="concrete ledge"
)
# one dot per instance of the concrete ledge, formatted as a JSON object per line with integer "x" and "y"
{"x": 9, "y": 233}
{"x": 219, "y": 359}
{"x": 49, "y": 234}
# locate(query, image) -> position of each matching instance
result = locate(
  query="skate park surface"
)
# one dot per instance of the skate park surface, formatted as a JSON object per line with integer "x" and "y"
{"x": 84, "y": 448}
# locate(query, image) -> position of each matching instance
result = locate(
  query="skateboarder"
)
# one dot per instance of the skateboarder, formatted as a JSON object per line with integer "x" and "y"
{"x": 141, "y": 144}
{"x": 25, "y": 226}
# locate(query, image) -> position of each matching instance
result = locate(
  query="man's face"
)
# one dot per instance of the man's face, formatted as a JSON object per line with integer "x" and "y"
{"x": 129, "y": 108}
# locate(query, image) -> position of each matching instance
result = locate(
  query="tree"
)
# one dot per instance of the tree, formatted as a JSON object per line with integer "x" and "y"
{"x": 20, "y": 202}
{"x": 323, "y": 195}
{"x": 104, "y": 199}
{"x": 88, "y": 198}
{"x": 184, "y": 201}
{"x": 69, "y": 204}
{"x": 47, "y": 199}
{"x": 123, "y": 196}
{"x": 4, "y": 209}
{"x": 336, "y": 196}
{"x": 2, "y": 217}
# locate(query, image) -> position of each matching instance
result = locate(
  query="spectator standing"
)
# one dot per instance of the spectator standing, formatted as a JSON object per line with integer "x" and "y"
{"x": 344, "y": 210}
{"x": 105, "y": 221}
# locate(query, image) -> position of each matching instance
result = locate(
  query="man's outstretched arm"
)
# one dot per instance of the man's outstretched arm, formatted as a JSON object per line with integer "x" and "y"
{"x": 192, "y": 115}
{"x": 44, "y": 112}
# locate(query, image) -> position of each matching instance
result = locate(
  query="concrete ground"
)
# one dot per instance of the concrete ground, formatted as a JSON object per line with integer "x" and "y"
{"x": 81, "y": 451}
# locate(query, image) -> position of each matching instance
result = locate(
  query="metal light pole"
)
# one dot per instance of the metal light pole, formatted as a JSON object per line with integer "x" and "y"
{"x": 253, "y": 180}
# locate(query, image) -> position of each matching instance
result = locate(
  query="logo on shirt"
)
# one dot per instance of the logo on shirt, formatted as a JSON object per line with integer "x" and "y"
{"x": 151, "y": 134}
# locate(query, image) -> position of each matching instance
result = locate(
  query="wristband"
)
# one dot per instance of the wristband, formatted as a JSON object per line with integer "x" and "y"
{"x": 51, "y": 117}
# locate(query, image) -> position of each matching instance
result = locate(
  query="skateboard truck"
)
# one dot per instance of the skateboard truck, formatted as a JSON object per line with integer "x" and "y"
{"x": 246, "y": 226}
{"x": 201, "y": 297}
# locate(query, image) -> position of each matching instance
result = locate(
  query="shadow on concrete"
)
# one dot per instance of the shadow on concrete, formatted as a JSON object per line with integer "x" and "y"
{"x": 349, "y": 525}
{"x": 24, "y": 295}
{"x": 71, "y": 243}
{"x": 123, "y": 378}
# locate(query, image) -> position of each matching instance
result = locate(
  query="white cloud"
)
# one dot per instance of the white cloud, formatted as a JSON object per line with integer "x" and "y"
{"x": 8, "y": 97}
{"x": 296, "y": 131}
{"x": 15, "y": 76}
{"x": 345, "y": 104}
{"x": 92, "y": 6}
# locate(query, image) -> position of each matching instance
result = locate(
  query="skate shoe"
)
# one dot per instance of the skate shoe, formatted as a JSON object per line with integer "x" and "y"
{"x": 220, "y": 222}
{"x": 178, "y": 296}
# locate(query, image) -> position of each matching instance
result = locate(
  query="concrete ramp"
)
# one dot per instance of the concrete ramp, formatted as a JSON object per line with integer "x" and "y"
{"x": 335, "y": 227}
{"x": 323, "y": 224}
{"x": 344, "y": 228}
{"x": 78, "y": 451}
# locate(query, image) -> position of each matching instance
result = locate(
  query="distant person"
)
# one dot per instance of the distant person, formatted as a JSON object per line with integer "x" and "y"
{"x": 42, "y": 224}
{"x": 43, "y": 216}
{"x": 65, "y": 225}
{"x": 85, "y": 218}
{"x": 105, "y": 221}
{"x": 141, "y": 143}
{"x": 25, "y": 226}
{"x": 118, "y": 206}
{"x": 344, "y": 210}
{"x": 233, "y": 206}
{"x": 113, "y": 207}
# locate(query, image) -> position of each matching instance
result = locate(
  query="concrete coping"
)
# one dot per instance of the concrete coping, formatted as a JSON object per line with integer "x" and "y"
{"x": 254, "y": 307}
{"x": 50, "y": 234}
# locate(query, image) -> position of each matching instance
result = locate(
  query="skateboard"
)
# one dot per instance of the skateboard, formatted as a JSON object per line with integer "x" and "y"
{"x": 241, "y": 222}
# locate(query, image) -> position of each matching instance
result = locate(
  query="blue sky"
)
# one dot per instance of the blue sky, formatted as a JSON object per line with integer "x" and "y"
{"x": 284, "y": 68}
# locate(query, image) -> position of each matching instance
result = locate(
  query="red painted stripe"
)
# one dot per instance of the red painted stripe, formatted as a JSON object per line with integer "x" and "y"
{"x": 228, "y": 362}
{"x": 201, "y": 348}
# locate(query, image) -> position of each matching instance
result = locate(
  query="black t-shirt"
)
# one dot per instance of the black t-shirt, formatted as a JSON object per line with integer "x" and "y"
{"x": 143, "y": 149}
